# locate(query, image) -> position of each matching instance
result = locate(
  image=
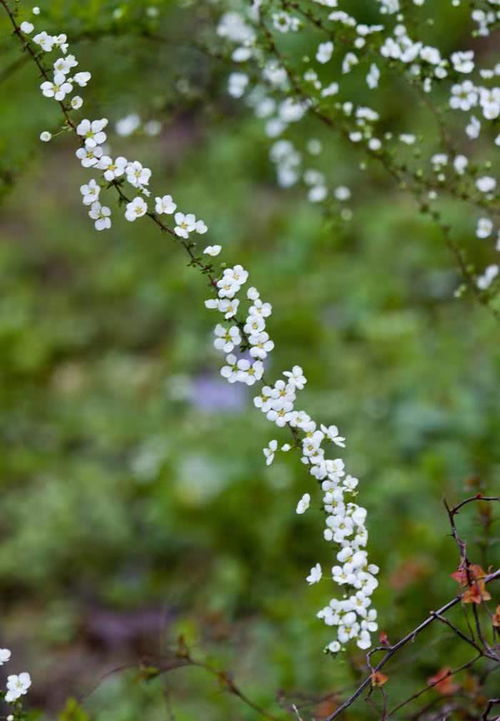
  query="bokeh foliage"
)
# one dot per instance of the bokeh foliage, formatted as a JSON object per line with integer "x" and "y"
{"x": 135, "y": 502}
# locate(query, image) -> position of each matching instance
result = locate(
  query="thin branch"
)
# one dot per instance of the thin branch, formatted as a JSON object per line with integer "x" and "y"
{"x": 435, "y": 683}
{"x": 492, "y": 702}
{"x": 410, "y": 637}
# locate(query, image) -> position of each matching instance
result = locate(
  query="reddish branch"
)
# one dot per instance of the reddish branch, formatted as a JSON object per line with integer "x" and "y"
{"x": 480, "y": 644}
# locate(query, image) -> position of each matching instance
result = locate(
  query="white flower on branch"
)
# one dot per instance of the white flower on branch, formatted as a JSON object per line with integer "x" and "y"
{"x": 17, "y": 686}
{"x": 303, "y": 504}
{"x": 137, "y": 208}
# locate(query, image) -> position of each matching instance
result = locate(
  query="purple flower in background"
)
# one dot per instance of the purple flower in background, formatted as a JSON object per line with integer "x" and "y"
{"x": 208, "y": 393}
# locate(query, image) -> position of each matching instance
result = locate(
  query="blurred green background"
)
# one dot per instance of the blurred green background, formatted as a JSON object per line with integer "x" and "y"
{"x": 135, "y": 503}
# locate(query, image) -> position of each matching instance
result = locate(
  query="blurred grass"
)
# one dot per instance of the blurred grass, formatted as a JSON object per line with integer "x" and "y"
{"x": 135, "y": 502}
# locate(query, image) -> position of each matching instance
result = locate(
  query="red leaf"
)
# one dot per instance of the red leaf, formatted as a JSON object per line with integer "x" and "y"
{"x": 442, "y": 681}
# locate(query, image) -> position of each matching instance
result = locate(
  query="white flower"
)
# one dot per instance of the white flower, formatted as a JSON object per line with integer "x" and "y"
{"x": 200, "y": 227}
{"x": 227, "y": 306}
{"x": 64, "y": 65}
{"x": 332, "y": 432}
{"x": 136, "y": 209}
{"x": 364, "y": 640}
{"x": 460, "y": 164}
{"x": 333, "y": 647}
{"x": 45, "y": 41}
{"x": 185, "y": 224}
{"x": 254, "y": 324}
{"x": 296, "y": 377}
{"x": 127, "y": 125}
{"x": 473, "y": 129}
{"x": 284, "y": 23}
{"x": 5, "y": 655}
{"x": 439, "y": 160}
{"x": 89, "y": 157}
{"x": 27, "y": 27}
{"x": 101, "y": 215}
{"x": 237, "y": 84}
{"x": 90, "y": 192}
{"x": 45, "y": 137}
{"x": 17, "y": 686}
{"x": 303, "y": 504}
{"x": 82, "y": 79}
{"x": 329, "y": 90}
{"x": 137, "y": 175}
{"x": 231, "y": 281}
{"x": 92, "y": 132}
{"x": 58, "y": 89}
{"x": 212, "y": 250}
{"x": 486, "y": 184}
{"x": 430, "y": 55}
{"x": 259, "y": 308}
{"x": 270, "y": 451}
{"x": 463, "y": 61}
{"x": 349, "y": 61}
{"x": 317, "y": 193}
{"x": 233, "y": 27}
{"x": 324, "y": 52}
{"x": 112, "y": 168}
{"x": 248, "y": 372}
{"x": 60, "y": 41}
{"x": 226, "y": 338}
{"x": 373, "y": 77}
{"x": 484, "y": 281}
{"x": 261, "y": 345}
{"x": 76, "y": 102}
{"x": 314, "y": 574}
{"x": 484, "y": 228}
{"x": 464, "y": 96}
{"x": 165, "y": 205}
{"x": 489, "y": 99}
{"x": 230, "y": 371}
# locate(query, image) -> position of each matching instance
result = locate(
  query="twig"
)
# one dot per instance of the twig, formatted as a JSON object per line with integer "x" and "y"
{"x": 492, "y": 702}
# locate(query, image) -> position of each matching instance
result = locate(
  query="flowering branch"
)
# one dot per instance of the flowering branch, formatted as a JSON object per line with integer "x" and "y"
{"x": 246, "y": 344}
{"x": 472, "y": 581}
{"x": 286, "y": 93}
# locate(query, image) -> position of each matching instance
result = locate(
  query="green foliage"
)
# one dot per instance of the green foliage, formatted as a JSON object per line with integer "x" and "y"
{"x": 135, "y": 502}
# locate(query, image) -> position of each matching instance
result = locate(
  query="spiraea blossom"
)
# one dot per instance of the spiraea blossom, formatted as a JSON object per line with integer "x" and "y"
{"x": 286, "y": 93}
{"x": 17, "y": 684}
{"x": 241, "y": 334}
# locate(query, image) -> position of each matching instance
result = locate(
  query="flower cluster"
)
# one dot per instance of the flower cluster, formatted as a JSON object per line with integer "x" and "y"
{"x": 95, "y": 153}
{"x": 17, "y": 684}
{"x": 250, "y": 369}
{"x": 244, "y": 340}
{"x": 247, "y": 346}
{"x": 284, "y": 92}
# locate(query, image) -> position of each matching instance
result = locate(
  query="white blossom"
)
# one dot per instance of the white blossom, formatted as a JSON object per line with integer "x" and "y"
{"x": 5, "y": 655}
{"x": 212, "y": 250}
{"x": 165, "y": 205}
{"x": 324, "y": 52}
{"x": 101, "y": 215}
{"x": 136, "y": 209}
{"x": 17, "y": 686}
{"x": 270, "y": 451}
{"x": 90, "y": 192}
{"x": 303, "y": 504}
